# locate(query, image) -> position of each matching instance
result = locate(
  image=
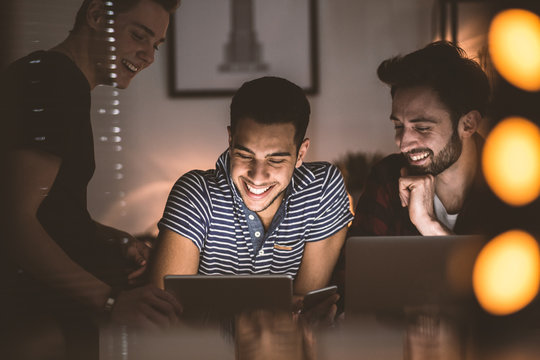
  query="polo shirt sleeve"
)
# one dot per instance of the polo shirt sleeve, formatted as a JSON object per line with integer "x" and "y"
{"x": 187, "y": 211}
{"x": 334, "y": 210}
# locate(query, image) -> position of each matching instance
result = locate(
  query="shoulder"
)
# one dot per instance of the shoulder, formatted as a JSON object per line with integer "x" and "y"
{"x": 208, "y": 182}
{"x": 314, "y": 172}
{"x": 46, "y": 71}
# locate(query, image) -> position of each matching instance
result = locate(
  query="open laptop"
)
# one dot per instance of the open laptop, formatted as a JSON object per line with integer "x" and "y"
{"x": 218, "y": 297}
{"x": 387, "y": 275}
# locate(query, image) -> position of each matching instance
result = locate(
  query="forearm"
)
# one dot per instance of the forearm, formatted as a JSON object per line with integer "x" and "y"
{"x": 34, "y": 251}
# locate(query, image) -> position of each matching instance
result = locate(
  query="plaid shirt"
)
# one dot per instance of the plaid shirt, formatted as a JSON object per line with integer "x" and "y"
{"x": 379, "y": 211}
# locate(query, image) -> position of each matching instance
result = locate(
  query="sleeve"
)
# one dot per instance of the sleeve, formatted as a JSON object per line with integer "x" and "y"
{"x": 334, "y": 210}
{"x": 187, "y": 211}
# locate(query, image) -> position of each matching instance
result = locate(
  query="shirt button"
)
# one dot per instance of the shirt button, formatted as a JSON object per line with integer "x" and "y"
{"x": 261, "y": 252}
{"x": 257, "y": 234}
{"x": 251, "y": 217}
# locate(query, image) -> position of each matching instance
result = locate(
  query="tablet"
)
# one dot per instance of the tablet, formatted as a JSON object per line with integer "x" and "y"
{"x": 214, "y": 297}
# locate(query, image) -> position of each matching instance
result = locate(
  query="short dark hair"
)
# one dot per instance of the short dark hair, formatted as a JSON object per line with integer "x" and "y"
{"x": 272, "y": 100}
{"x": 460, "y": 82}
{"x": 120, "y": 6}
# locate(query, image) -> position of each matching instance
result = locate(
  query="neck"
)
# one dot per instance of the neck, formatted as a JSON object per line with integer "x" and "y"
{"x": 453, "y": 184}
{"x": 77, "y": 48}
{"x": 267, "y": 215}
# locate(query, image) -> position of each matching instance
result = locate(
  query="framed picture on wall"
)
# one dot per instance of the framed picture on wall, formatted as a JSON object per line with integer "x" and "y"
{"x": 216, "y": 45}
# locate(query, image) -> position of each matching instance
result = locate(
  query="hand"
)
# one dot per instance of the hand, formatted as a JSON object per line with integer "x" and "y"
{"x": 322, "y": 314}
{"x": 137, "y": 253}
{"x": 417, "y": 193}
{"x": 147, "y": 308}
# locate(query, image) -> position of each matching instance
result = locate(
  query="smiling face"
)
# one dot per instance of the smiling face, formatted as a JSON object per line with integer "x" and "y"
{"x": 138, "y": 33}
{"x": 425, "y": 134}
{"x": 263, "y": 158}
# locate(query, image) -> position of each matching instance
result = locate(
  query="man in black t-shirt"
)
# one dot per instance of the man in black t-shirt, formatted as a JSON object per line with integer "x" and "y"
{"x": 56, "y": 257}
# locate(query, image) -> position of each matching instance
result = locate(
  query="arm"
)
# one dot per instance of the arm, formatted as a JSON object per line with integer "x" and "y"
{"x": 175, "y": 255}
{"x": 318, "y": 262}
{"x": 28, "y": 176}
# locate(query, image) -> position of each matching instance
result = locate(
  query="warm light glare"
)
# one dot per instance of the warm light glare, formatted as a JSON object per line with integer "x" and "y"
{"x": 506, "y": 274}
{"x": 511, "y": 161}
{"x": 514, "y": 46}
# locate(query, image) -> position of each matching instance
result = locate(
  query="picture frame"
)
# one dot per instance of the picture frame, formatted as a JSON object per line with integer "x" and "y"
{"x": 216, "y": 45}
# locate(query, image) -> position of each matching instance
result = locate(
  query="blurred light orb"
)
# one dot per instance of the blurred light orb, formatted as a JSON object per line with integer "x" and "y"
{"x": 506, "y": 273}
{"x": 511, "y": 161}
{"x": 514, "y": 46}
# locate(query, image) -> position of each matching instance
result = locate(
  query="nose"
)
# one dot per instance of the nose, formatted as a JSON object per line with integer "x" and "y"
{"x": 258, "y": 171}
{"x": 406, "y": 140}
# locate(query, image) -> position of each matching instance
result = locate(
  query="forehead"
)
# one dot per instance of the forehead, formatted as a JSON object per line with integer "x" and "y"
{"x": 262, "y": 137}
{"x": 418, "y": 102}
{"x": 147, "y": 13}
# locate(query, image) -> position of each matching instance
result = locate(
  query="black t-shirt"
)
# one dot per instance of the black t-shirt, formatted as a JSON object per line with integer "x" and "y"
{"x": 46, "y": 102}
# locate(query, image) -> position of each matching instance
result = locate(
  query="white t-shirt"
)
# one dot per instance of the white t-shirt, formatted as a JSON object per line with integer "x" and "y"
{"x": 447, "y": 219}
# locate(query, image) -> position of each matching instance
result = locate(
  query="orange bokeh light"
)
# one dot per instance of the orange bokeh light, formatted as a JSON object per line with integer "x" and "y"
{"x": 511, "y": 161}
{"x": 514, "y": 46}
{"x": 506, "y": 273}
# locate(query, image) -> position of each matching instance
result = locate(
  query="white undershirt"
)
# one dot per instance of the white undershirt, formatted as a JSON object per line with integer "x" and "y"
{"x": 447, "y": 219}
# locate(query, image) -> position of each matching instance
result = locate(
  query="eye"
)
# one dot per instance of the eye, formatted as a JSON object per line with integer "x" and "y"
{"x": 276, "y": 161}
{"x": 137, "y": 36}
{"x": 398, "y": 126}
{"x": 422, "y": 128}
{"x": 243, "y": 156}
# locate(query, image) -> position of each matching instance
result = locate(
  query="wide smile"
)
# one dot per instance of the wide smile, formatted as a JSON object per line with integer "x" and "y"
{"x": 418, "y": 157}
{"x": 257, "y": 191}
{"x": 131, "y": 66}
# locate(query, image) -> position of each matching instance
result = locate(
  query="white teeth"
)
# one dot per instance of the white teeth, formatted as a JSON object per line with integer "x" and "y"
{"x": 419, "y": 156}
{"x": 257, "y": 191}
{"x": 130, "y": 66}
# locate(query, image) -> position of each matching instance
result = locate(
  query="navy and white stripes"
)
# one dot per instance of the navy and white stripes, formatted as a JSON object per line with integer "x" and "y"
{"x": 205, "y": 207}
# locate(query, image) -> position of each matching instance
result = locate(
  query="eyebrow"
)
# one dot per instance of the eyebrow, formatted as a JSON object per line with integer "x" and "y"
{"x": 417, "y": 120}
{"x": 243, "y": 148}
{"x": 148, "y": 31}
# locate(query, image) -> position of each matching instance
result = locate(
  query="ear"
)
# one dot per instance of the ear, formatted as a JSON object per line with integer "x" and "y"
{"x": 302, "y": 152}
{"x": 95, "y": 15}
{"x": 230, "y": 135}
{"x": 468, "y": 124}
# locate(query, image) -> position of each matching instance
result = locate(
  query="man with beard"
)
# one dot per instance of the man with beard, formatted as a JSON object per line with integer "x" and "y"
{"x": 434, "y": 186}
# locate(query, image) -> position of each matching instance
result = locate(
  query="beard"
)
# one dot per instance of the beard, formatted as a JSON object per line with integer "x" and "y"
{"x": 443, "y": 160}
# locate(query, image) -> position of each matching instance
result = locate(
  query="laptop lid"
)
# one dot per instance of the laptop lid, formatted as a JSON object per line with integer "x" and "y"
{"x": 386, "y": 275}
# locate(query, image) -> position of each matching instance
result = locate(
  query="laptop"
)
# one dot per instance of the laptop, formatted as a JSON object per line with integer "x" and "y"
{"x": 386, "y": 275}
{"x": 216, "y": 297}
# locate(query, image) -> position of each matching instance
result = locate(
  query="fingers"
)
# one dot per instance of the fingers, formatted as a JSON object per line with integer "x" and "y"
{"x": 168, "y": 298}
{"x": 147, "y": 307}
{"x": 404, "y": 190}
{"x": 136, "y": 273}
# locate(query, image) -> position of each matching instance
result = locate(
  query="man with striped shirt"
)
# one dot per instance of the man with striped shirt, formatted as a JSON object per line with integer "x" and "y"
{"x": 262, "y": 210}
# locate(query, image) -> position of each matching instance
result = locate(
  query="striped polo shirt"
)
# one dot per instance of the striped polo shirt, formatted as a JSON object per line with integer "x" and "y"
{"x": 205, "y": 207}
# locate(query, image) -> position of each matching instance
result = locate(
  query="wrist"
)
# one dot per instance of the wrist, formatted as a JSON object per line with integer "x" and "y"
{"x": 105, "y": 313}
